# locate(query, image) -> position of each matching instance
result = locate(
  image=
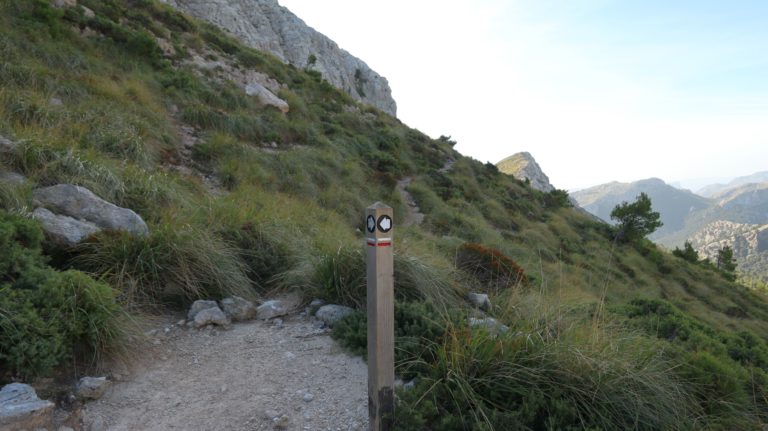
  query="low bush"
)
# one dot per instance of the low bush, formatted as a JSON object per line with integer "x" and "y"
{"x": 522, "y": 380}
{"x": 48, "y": 317}
{"x": 490, "y": 267}
{"x": 418, "y": 326}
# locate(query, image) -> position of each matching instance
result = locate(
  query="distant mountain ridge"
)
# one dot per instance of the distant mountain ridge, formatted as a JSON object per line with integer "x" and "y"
{"x": 713, "y": 190}
{"x": 733, "y": 214}
{"x": 674, "y": 205}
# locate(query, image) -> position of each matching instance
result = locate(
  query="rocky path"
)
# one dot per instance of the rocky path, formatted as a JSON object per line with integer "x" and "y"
{"x": 254, "y": 376}
{"x": 413, "y": 215}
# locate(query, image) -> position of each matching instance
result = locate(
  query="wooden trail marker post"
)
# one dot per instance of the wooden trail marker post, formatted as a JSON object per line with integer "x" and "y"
{"x": 381, "y": 317}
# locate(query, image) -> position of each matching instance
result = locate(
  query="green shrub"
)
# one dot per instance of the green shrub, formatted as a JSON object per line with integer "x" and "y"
{"x": 418, "y": 326}
{"x": 46, "y": 316}
{"x": 521, "y": 380}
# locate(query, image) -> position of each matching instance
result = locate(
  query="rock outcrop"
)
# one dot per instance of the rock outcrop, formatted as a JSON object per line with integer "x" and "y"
{"x": 20, "y": 408}
{"x": 70, "y": 213}
{"x": 63, "y": 229}
{"x": 744, "y": 239}
{"x": 267, "y": 26}
{"x": 91, "y": 388}
{"x": 330, "y": 314}
{"x": 524, "y": 167}
{"x": 238, "y": 309}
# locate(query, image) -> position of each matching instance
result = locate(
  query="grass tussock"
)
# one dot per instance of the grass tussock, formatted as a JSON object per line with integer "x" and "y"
{"x": 171, "y": 263}
{"x": 546, "y": 372}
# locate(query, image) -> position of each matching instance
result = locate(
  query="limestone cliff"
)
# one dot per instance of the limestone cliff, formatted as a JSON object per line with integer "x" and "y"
{"x": 267, "y": 26}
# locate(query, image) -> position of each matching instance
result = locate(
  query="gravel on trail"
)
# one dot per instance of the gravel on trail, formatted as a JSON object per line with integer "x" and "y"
{"x": 260, "y": 375}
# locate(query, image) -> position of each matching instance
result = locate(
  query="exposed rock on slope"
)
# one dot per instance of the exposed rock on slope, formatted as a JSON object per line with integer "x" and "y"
{"x": 523, "y": 166}
{"x": 748, "y": 241}
{"x": 267, "y": 26}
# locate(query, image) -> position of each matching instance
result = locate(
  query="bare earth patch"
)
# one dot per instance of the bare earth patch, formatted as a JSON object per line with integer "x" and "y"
{"x": 254, "y": 376}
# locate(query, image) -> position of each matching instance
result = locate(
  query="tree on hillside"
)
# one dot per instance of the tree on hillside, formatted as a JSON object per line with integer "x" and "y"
{"x": 636, "y": 219}
{"x": 725, "y": 260}
{"x": 687, "y": 253}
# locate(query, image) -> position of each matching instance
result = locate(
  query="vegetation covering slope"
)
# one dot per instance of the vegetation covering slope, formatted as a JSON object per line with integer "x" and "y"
{"x": 602, "y": 334}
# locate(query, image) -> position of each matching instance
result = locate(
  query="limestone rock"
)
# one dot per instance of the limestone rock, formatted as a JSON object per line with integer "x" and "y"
{"x": 267, "y": 26}
{"x": 166, "y": 47}
{"x": 330, "y": 314}
{"x": 82, "y": 204}
{"x": 238, "y": 309}
{"x": 271, "y": 309}
{"x": 492, "y": 325}
{"x": 266, "y": 97}
{"x": 523, "y": 166}
{"x": 211, "y": 316}
{"x": 20, "y": 408}
{"x": 198, "y": 306}
{"x": 64, "y": 3}
{"x": 62, "y": 229}
{"x": 91, "y": 388}
{"x": 480, "y": 300}
{"x": 6, "y": 145}
{"x": 12, "y": 178}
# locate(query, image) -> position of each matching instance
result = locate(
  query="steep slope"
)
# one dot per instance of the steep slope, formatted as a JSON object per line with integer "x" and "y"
{"x": 674, "y": 205}
{"x": 241, "y": 194}
{"x": 267, "y": 26}
{"x": 523, "y": 166}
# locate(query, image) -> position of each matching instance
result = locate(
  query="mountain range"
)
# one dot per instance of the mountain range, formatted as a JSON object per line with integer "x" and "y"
{"x": 733, "y": 214}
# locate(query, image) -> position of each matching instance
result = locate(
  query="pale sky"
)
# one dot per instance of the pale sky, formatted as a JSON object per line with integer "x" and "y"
{"x": 596, "y": 90}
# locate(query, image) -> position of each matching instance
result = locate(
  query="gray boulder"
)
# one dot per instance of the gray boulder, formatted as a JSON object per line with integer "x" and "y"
{"x": 6, "y": 145}
{"x": 198, "y": 306}
{"x": 330, "y": 314}
{"x": 82, "y": 204}
{"x": 271, "y": 309}
{"x": 238, "y": 309}
{"x": 20, "y": 408}
{"x": 266, "y": 97}
{"x": 91, "y": 388}
{"x": 211, "y": 316}
{"x": 12, "y": 178}
{"x": 492, "y": 325}
{"x": 62, "y": 229}
{"x": 480, "y": 300}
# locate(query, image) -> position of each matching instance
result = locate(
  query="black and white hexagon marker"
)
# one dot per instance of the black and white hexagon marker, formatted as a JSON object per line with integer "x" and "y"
{"x": 371, "y": 224}
{"x": 385, "y": 223}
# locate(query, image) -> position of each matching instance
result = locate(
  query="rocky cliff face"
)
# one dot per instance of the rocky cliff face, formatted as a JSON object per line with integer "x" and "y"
{"x": 748, "y": 241}
{"x": 267, "y": 26}
{"x": 745, "y": 239}
{"x": 523, "y": 166}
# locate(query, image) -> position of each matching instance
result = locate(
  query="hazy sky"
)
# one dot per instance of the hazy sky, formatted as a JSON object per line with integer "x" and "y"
{"x": 596, "y": 90}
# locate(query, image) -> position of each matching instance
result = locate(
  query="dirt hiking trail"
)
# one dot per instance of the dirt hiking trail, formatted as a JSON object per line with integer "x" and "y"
{"x": 260, "y": 375}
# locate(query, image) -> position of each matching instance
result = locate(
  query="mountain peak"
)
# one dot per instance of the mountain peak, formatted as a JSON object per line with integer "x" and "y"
{"x": 523, "y": 166}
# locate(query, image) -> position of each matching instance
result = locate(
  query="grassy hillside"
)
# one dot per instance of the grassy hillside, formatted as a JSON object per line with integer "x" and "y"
{"x": 603, "y": 335}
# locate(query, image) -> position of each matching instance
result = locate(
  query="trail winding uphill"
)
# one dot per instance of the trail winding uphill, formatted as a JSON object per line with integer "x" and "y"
{"x": 255, "y": 376}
